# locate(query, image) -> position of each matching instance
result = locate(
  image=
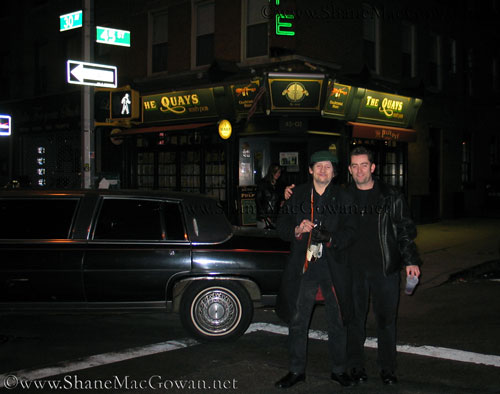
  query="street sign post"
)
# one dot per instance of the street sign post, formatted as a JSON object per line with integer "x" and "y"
{"x": 5, "y": 125}
{"x": 91, "y": 74}
{"x": 73, "y": 20}
{"x": 106, "y": 35}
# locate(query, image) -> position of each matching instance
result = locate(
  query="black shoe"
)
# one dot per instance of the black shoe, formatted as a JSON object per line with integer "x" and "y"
{"x": 289, "y": 380}
{"x": 343, "y": 379}
{"x": 359, "y": 375}
{"x": 388, "y": 377}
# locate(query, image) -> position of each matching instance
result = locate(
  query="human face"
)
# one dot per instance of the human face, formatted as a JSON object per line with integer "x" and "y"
{"x": 322, "y": 173}
{"x": 361, "y": 170}
{"x": 277, "y": 174}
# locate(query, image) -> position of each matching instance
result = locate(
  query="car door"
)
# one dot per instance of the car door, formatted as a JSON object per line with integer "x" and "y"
{"x": 39, "y": 260}
{"x": 137, "y": 244}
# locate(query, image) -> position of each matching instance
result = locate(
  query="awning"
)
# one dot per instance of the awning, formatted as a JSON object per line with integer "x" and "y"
{"x": 160, "y": 129}
{"x": 378, "y": 132}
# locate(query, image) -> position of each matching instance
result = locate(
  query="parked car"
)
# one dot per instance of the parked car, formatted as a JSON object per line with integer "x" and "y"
{"x": 134, "y": 249}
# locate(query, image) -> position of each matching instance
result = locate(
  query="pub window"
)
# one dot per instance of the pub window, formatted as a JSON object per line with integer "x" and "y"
{"x": 371, "y": 37}
{"x": 408, "y": 51}
{"x": 466, "y": 162}
{"x": 159, "y": 42}
{"x": 435, "y": 77}
{"x": 256, "y": 32}
{"x": 205, "y": 28}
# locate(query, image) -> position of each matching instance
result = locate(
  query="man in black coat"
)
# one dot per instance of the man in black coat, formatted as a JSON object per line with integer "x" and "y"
{"x": 319, "y": 225}
{"x": 384, "y": 244}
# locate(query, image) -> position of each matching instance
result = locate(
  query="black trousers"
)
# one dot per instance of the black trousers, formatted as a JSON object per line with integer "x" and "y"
{"x": 299, "y": 325}
{"x": 384, "y": 291}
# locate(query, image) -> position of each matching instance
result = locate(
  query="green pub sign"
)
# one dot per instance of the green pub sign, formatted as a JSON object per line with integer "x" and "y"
{"x": 172, "y": 106}
{"x": 338, "y": 100}
{"x": 378, "y": 107}
{"x": 295, "y": 93}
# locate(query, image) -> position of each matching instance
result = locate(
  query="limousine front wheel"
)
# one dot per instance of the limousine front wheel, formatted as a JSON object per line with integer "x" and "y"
{"x": 216, "y": 310}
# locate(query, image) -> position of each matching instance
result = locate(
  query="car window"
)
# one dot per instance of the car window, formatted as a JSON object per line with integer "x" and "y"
{"x": 129, "y": 219}
{"x": 136, "y": 219}
{"x": 173, "y": 222}
{"x": 36, "y": 218}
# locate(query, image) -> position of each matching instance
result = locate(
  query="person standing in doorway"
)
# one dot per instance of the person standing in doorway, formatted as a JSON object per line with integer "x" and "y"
{"x": 384, "y": 244}
{"x": 268, "y": 198}
{"x": 316, "y": 222}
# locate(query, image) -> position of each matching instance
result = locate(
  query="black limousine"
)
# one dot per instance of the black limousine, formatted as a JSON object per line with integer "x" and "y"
{"x": 135, "y": 249}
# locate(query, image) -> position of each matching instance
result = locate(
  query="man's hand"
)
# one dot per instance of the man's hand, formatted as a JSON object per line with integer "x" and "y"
{"x": 289, "y": 191}
{"x": 320, "y": 234}
{"x": 304, "y": 227}
{"x": 413, "y": 270}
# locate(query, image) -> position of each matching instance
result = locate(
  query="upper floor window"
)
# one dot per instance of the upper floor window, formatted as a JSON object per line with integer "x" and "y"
{"x": 256, "y": 29}
{"x": 371, "y": 37}
{"x": 494, "y": 75}
{"x": 435, "y": 76}
{"x": 408, "y": 51}
{"x": 453, "y": 56}
{"x": 159, "y": 42}
{"x": 205, "y": 28}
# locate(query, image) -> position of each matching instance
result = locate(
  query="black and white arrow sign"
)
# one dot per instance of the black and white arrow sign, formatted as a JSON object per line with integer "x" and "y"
{"x": 82, "y": 73}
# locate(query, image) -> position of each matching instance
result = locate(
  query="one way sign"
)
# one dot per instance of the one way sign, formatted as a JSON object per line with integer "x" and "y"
{"x": 82, "y": 73}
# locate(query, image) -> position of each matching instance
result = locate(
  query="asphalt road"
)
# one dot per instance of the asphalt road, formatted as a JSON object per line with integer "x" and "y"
{"x": 149, "y": 352}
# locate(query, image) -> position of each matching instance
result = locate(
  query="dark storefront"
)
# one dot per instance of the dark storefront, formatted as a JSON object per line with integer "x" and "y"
{"x": 279, "y": 118}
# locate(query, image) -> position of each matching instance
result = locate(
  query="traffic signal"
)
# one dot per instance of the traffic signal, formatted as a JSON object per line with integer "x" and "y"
{"x": 111, "y": 106}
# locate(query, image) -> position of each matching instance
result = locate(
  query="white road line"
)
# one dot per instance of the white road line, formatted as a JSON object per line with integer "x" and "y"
{"x": 429, "y": 351}
{"x": 66, "y": 367}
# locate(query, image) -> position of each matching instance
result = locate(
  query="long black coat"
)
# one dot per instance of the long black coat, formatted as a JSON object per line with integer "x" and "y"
{"x": 339, "y": 219}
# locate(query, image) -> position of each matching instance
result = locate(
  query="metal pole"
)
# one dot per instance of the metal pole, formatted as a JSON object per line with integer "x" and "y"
{"x": 87, "y": 103}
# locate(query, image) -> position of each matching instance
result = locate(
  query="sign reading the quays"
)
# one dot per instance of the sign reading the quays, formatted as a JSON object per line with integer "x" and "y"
{"x": 383, "y": 107}
{"x": 173, "y": 106}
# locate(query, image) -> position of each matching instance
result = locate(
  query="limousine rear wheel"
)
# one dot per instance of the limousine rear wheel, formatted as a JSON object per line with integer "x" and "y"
{"x": 216, "y": 310}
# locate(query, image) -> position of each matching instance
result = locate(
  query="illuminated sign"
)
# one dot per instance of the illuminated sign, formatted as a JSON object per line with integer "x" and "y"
{"x": 382, "y": 107}
{"x": 5, "y": 125}
{"x": 225, "y": 129}
{"x": 82, "y": 73}
{"x": 115, "y": 105}
{"x": 191, "y": 104}
{"x": 283, "y": 22}
{"x": 296, "y": 92}
{"x": 73, "y": 20}
{"x": 244, "y": 95}
{"x": 105, "y": 35}
{"x": 338, "y": 100}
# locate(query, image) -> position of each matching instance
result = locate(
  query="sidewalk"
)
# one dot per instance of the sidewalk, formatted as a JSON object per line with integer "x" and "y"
{"x": 454, "y": 245}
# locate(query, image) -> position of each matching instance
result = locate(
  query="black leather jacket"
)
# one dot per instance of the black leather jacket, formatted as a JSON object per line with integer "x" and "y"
{"x": 396, "y": 229}
{"x": 267, "y": 200}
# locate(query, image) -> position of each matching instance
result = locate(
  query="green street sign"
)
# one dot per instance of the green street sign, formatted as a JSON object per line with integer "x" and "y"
{"x": 106, "y": 35}
{"x": 73, "y": 20}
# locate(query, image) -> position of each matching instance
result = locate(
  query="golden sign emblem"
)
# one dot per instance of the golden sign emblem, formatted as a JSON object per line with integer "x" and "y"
{"x": 295, "y": 92}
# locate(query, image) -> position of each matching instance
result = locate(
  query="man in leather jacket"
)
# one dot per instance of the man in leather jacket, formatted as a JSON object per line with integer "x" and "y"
{"x": 384, "y": 244}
